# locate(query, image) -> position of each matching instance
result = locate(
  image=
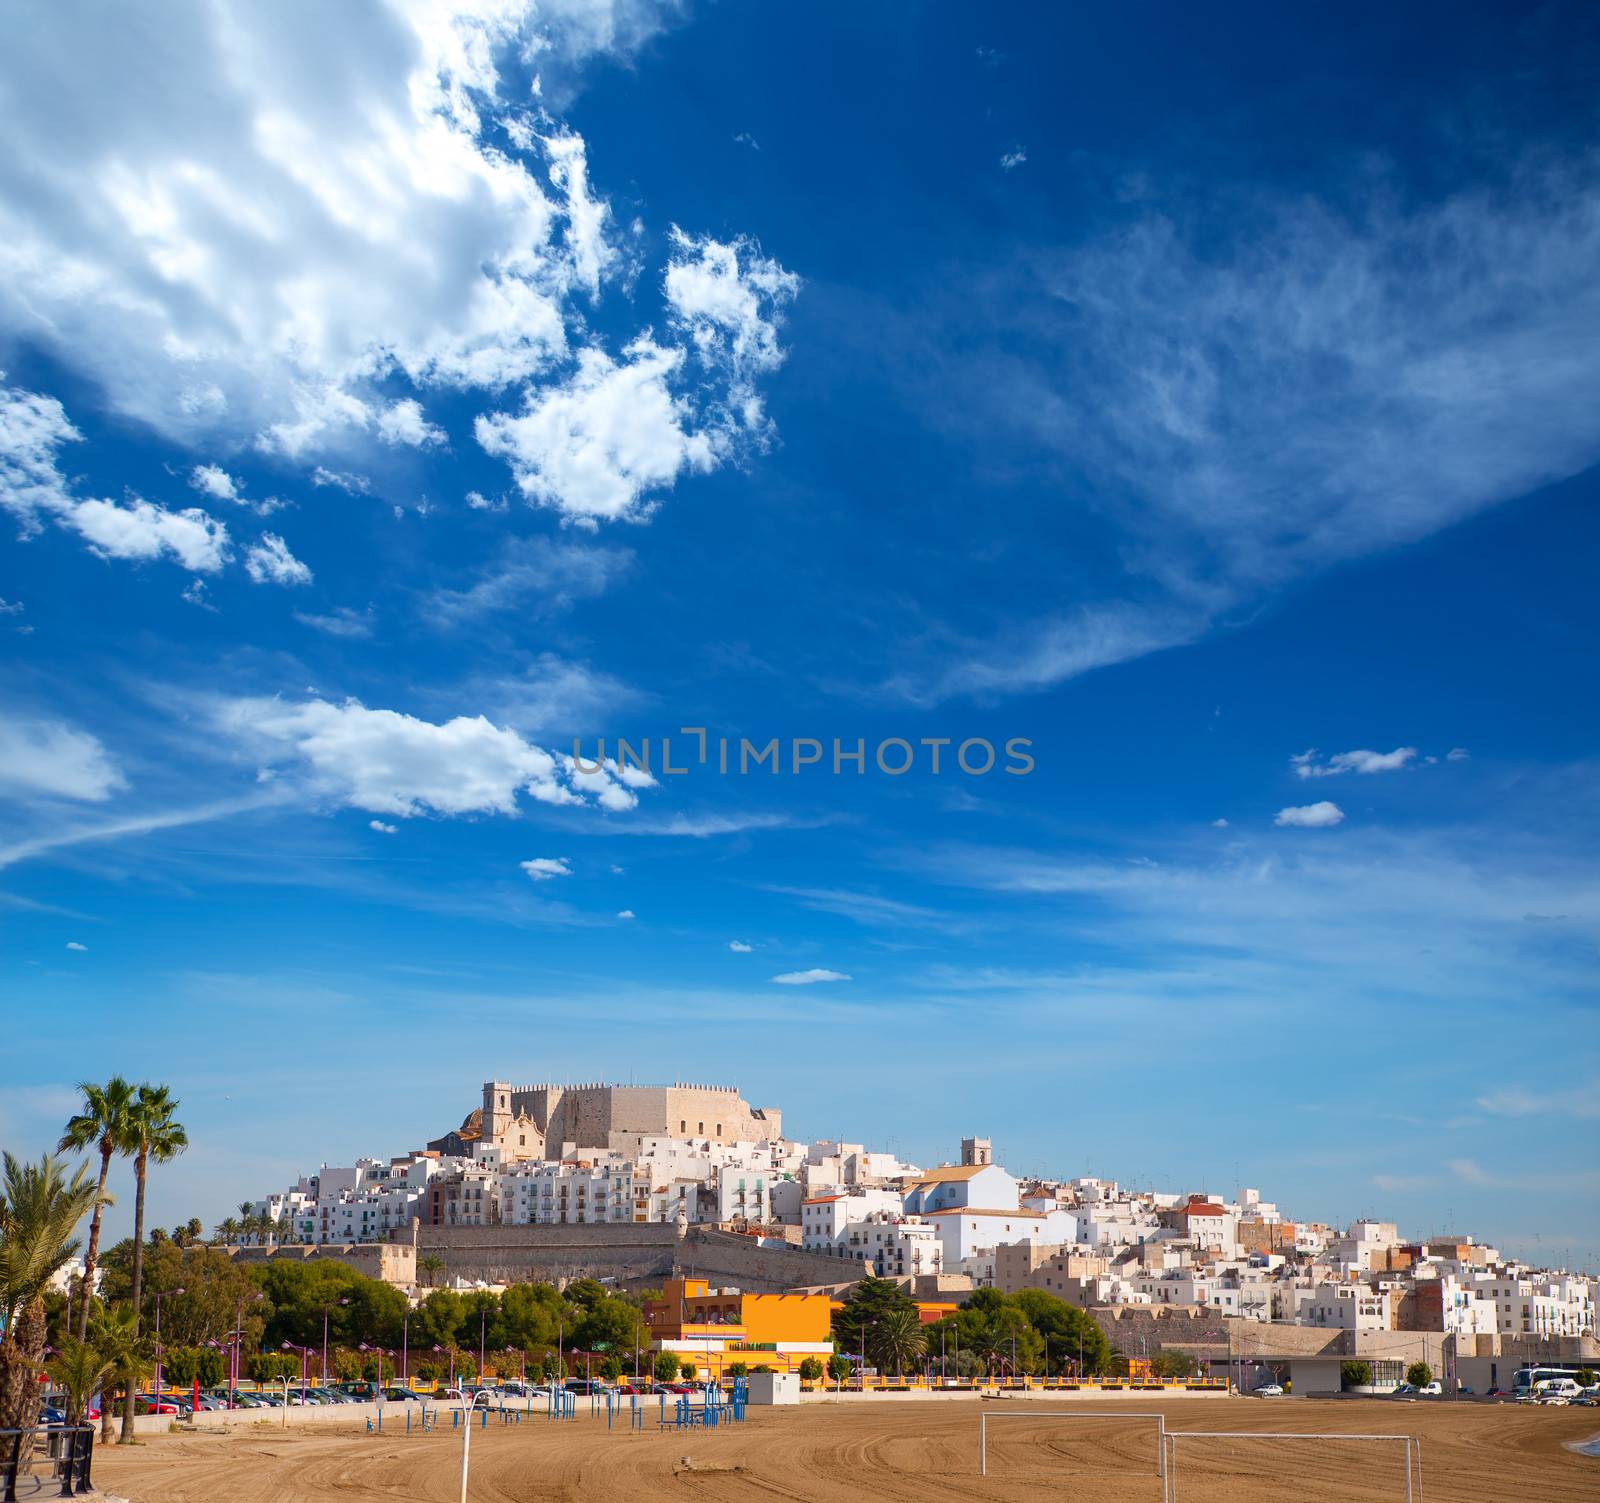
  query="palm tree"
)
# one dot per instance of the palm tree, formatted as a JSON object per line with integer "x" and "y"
{"x": 79, "y": 1370}
{"x": 102, "y": 1124}
{"x": 116, "y": 1338}
{"x": 898, "y": 1339}
{"x": 155, "y": 1135}
{"x": 39, "y": 1211}
{"x": 430, "y": 1264}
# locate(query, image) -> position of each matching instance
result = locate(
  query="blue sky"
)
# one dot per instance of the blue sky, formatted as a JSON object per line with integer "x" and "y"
{"x": 388, "y": 401}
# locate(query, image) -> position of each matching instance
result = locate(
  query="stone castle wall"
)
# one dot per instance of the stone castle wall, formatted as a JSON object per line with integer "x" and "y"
{"x": 630, "y": 1255}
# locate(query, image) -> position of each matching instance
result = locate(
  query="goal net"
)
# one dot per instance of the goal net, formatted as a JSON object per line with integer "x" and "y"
{"x": 1225, "y": 1466}
{"x": 1115, "y": 1457}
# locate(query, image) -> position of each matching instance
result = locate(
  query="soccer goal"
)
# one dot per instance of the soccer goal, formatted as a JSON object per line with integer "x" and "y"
{"x": 1079, "y": 1444}
{"x": 1211, "y": 1466}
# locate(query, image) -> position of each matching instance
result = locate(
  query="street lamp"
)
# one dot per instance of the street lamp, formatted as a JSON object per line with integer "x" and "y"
{"x": 466, "y": 1436}
{"x": 238, "y": 1341}
{"x": 327, "y": 1305}
{"x": 164, "y": 1294}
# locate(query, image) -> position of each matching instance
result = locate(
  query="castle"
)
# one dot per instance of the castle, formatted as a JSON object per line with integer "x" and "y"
{"x": 552, "y": 1121}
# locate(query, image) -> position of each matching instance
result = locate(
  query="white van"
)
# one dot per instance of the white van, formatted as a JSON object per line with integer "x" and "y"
{"x": 1557, "y": 1391}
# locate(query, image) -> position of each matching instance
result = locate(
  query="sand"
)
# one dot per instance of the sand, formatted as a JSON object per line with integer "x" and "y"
{"x": 922, "y": 1451}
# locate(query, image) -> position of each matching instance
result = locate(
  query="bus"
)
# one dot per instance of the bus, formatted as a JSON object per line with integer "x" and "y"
{"x": 1529, "y": 1380}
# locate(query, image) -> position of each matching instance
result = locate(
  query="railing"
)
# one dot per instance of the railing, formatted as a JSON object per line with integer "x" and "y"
{"x": 1025, "y": 1383}
{"x": 32, "y": 1460}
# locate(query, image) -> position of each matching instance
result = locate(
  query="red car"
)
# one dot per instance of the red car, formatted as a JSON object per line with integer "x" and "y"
{"x": 148, "y": 1403}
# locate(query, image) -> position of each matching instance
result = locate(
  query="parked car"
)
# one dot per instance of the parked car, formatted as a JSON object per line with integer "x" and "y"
{"x": 1269, "y": 1391}
{"x": 1433, "y": 1390}
{"x": 450, "y": 1395}
{"x": 583, "y": 1387}
{"x": 398, "y": 1395}
{"x": 1497, "y": 1392}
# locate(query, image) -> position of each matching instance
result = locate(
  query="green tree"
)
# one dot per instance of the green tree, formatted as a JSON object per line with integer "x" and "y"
{"x": 114, "y": 1331}
{"x": 1355, "y": 1374}
{"x": 839, "y": 1368}
{"x": 688, "y": 1371}
{"x": 103, "y": 1125}
{"x": 1584, "y": 1377}
{"x": 429, "y": 1265}
{"x": 274, "y": 1367}
{"x": 611, "y": 1368}
{"x": 1169, "y": 1363}
{"x": 78, "y": 1370}
{"x": 1419, "y": 1375}
{"x": 40, "y": 1209}
{"x": 184, "y": 1365}
{"x": 608, "y": 1324}
{"x": 897, "y": 1340}
{"x": 737, "y": 1370}
{"x": 811, "y": 1370}
{"x": 859, "y": 1320}
{"x": 155, "y": 1135}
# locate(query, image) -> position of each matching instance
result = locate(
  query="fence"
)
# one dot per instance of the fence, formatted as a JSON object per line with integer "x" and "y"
{"x": 31, "y": 1461}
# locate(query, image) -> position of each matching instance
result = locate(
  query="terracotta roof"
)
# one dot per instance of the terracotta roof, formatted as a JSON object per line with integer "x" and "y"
{"x": 948, "y": 1173}
{"x": 975, "y": 1211}
{"x": 822, "y": 1200}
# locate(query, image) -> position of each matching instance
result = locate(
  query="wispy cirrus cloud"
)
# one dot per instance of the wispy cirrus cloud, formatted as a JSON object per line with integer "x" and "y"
{"x": 1250, "y": 397}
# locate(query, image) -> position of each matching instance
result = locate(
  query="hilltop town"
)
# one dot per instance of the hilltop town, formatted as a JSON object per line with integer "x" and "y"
{"x": 574, "y": 1178}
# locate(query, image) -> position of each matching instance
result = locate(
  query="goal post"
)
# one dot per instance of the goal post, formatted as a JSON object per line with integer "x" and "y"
{"x": 1100, "y": 1417}
{"x": 1409, "y": 1449}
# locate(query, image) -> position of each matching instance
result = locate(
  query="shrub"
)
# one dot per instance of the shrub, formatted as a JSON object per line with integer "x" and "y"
{"x": 737, "y": 1370}
{"x": 1355, "y": 1374}
{"x": 688, "y": 1370}
{"x": 839, "y": 1368}
{"x": 811, "y": 1370}
{"x": 1419, "y": 1375}
{"x": 666, "y": 1366}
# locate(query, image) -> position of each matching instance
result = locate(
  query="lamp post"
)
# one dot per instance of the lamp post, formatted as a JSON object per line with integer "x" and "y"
{"x": 466, "y": 1437}
{"x": 238, "y": 1340}
{"x": 405, "y": 1348}
{"x": 483, "y": 1326}
{"x": 165, "y": 1293}
{"x": 327, "y": 1305}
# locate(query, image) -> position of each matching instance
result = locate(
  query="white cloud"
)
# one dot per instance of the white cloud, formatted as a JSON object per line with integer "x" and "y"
{"x": 341, "y": 622}
{"x": 270, "y": 562}
{"x": 597, "y": 447}
{"x": 1013, "y": 159}
{"x": 215, "y": 481}
{"x": 1516, "y": 1101}
{"x": 403, "y": 423}
{"x": 1258, "y": 388}
{"x": 49, "y": 757}
{"x": 33, "y": 489}
{"x": 1457, "y": 754}
{"x": 533, "y": 575}
{"x": 626, "y": 913}
{"x": 382, "y": 828}
{"x": 311, "y": 207}
{"x": 354, "y": 485}
{"x": 739, "y": 947}
{"x": 388, "y": 763}
{"x": 809, "y": 978}
{"x": 10, "y": 607}
{"x": 728, "y": 299}
{"x": 543, "y": 868}
{"x": 1307, "y": 766}
{"x": 1318, "y": 816}
{"x": 319, "y": 212}
{"x": 612, "y": 786}
{"x": 72, "y": 944}
{"x": 1219, "y": 824}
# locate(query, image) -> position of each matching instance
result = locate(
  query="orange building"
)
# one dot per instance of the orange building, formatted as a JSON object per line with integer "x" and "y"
{"x": 714, "y": 1328}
